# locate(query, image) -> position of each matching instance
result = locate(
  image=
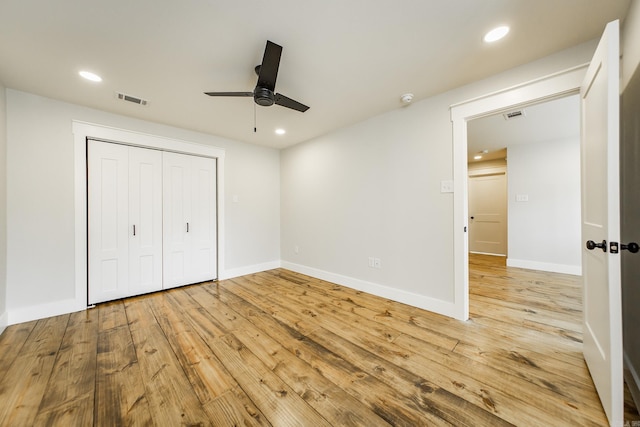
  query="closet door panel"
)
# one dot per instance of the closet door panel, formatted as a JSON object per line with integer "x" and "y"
{"x": 203, "y": 236}
{"x": 145, "y": 219}
{"x": 108, "y": 221}
{"x": 176, "y": 222}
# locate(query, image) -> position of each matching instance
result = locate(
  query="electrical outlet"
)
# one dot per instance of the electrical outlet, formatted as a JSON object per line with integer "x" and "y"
{"x": 371, "y": 262}
{"x": 377, "y": 263}
{"x": 296, "y": 249}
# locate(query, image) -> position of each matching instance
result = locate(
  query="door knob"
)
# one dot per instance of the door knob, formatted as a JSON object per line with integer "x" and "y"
{"x": 591, "y": 245}
{"x": 632, "y": 247}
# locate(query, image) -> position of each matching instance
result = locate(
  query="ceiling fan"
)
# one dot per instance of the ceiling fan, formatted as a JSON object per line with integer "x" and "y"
{"x": 267, "y": 73}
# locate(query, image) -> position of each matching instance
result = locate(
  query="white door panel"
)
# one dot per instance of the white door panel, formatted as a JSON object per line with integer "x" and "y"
{"x": 177, "y": 213}
{"x": 145, "y": 214}
{"x": 601, "y": 224}
{"x": 203, "y": 231}
{"x": 108, "y": 221}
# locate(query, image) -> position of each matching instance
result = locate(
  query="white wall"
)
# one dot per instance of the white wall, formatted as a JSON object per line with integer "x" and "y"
{"x": 544, "y": 232}
{"x": 40, "y": 197}
{"x": 373, "y": 190}
{"x": 3, "y": 210}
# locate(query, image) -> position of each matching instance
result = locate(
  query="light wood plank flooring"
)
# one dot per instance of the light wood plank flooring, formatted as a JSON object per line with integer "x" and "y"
{"x": 283, "y": 349}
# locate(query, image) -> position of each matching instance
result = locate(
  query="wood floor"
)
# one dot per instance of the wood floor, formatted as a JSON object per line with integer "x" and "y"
{"x": 279, "y": 348}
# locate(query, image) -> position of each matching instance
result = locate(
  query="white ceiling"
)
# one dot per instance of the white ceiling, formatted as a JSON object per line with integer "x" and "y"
{"x": 347, "y": 60}
{"x": 549, "y": 121}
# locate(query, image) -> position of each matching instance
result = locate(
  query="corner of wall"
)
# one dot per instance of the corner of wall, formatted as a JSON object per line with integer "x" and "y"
{"x": 249, "y": 269}
{"x": 434, "y": 305}
{"x": 4, "y": 321}
{"x": 3, "y": 208}
{"x": 632, "y": 378}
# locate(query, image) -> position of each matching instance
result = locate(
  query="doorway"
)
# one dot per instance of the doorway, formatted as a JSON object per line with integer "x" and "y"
{"x": 554, "y": 86}
{"x": 541, "y": 207}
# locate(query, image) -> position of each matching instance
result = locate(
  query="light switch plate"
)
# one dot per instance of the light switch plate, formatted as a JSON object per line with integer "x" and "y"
{"x": 446, "y": 186}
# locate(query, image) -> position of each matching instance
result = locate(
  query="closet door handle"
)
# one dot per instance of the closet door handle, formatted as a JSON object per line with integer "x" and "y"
{"x": 134, "y": 229}
{"x": 187, "y": 227}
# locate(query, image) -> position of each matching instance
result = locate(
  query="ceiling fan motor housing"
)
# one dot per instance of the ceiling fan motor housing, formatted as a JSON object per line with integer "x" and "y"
{"x": 263, "y": 96}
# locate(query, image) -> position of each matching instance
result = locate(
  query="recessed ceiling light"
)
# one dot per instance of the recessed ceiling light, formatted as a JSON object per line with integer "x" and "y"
{"x": 281, "y": 131}
{"x": 478, "y": 157}
{"x": 90, "y": 76}
{"x": 496, "y": 34}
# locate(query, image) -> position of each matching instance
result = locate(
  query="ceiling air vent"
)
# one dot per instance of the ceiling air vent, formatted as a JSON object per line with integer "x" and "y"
{"x": 513, "y": 114}
{"x": 131, "y": 98}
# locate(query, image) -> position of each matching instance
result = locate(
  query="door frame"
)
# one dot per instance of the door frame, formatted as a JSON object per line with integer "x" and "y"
{"x": 81, "y": 132}
{"x": 557, "y": 85}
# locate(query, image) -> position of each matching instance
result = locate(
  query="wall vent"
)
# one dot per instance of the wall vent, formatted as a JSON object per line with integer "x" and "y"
{"x": 513, "y": 114}
{"x": 131, "y": 98}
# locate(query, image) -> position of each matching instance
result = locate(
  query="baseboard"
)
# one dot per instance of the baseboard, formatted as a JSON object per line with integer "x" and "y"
{"x": 487, "y": 253}
{"x": 415, "y": 300}
{"x": 574, "y": 270}
{"x": 632, "y": 379}
{"x": 4, "y": 321}
{"x": 42, "y": 311}
{"x": 249, "y": 269}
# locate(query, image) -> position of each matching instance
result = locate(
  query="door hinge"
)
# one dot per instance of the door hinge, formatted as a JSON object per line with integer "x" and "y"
{"x": 613, "y": 247}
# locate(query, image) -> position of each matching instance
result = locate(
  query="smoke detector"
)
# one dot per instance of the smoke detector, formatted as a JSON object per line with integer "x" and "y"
{"x": 406, "y": 98}
{"x": 131, "y": 98}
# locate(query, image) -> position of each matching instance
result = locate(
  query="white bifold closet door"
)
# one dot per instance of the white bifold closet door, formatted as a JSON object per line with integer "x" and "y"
{"x": 125, "y": 220}
{"x": 189, "y": 225}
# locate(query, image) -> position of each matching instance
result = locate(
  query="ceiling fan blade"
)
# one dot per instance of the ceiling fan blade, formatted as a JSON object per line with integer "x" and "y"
{"x": 269, "y": 67}
{"x": 290, "y": 103}
{"x": 229, "y": 93}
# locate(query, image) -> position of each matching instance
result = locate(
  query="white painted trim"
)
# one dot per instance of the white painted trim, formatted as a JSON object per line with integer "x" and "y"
{"x": 415, "y": 300}
{"x": 551, "y": 76}
{"x": 632, "y": 379}
{"x": 82, "y": 131}
{"x": 487, "y": 253}
{"x": 250, "y": 269}
{"x": 574, "y": 270}
{"x": 41, "y": 311}
{"x": 552, "y": 86}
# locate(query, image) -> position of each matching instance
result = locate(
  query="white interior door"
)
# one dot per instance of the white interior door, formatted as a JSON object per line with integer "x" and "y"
{"x": 601, "y": 224}
{"x": 145, "y": 220}
{"x": 488, "y": 214}
{"x": 108, "y": 222}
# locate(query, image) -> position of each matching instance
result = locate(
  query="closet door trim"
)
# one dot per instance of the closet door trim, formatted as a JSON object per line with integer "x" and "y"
{"x": 82, "y": 131}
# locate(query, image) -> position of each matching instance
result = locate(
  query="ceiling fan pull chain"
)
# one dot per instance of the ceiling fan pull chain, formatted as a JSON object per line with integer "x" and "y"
{"x": 255, "y": 126}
